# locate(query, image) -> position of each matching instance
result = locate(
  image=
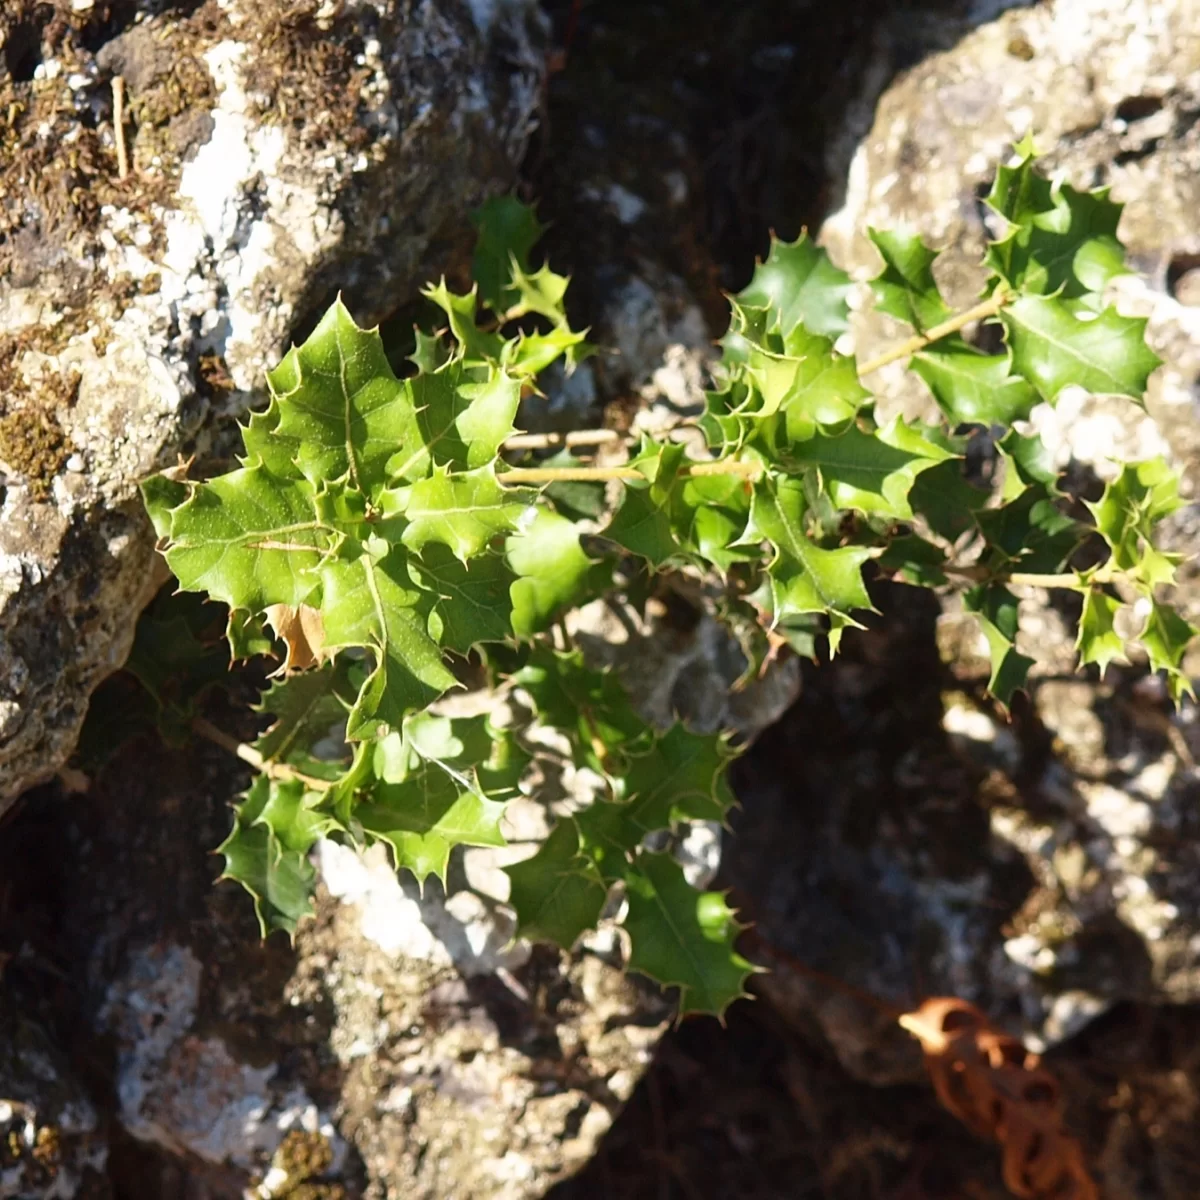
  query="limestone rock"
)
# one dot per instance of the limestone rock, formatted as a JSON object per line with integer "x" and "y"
{"x": 276, "y": 153}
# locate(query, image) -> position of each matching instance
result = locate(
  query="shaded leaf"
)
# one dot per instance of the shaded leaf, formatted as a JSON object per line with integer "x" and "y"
{"x": 556, "y": 895}
{"x": 1029, "y": 533}
{"x": 266, "y": 852}
{"x": 947, "y": 502}
{"x": 915, "y": 561}
{"x": 591, "y": 706}
{"x": 1029, "y": 462}
{"x": 552, "y": 571}
{"x": 474, "y": 602}
{"x": 305, "y": 708}
{"x": 507, "y": 231}
{"x": 683, "y": 938}
{"x": 645, "y": 522}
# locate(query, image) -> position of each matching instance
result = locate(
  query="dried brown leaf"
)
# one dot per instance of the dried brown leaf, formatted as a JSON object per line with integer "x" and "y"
{"x": 302, "y": 630}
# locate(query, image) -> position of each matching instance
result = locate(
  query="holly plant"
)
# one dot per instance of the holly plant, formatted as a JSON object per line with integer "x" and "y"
{"x": 390, "y": 538}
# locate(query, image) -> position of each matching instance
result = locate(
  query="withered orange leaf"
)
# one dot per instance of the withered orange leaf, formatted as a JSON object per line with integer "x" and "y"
{"x": 1000, "y": 1090}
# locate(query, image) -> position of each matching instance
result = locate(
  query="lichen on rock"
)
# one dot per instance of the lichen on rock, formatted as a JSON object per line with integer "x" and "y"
{"x": 277, "y": 152}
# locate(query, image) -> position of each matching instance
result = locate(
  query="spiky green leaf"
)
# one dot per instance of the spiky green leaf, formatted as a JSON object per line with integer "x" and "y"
{"x": 973, "y": 388}
{"x": 1165, "y": 639}
{"x": 1132, "y": 504}
{"x": 424, "y": 817}
{"x": 552, "y": 571}
{"x": 507, "y": 231}
{"x": 804, "y": 577}
{"x": 463, "y": 511}
{"x": 1053, "y": 348}
{"x": 1058, "y": 240}
{"x": 1098, "y": 641}
{"x": 266, "y": 851}
{"x": 905, "y": 288}
{"x": 372, "y": 603}
{"x": 801, "y": 286}
{"x": 305, "y": 707}
{"x": 645, "y": 522}
{"x": 946, "y": 500}
{"x": 808, "y": 383}
{"x": 871, "y": 472}
{"x": 995, "y": 607}
{"x": 474, "y": 599}
{"x": 345, "y": 413}
{"x": 463, "y": 421}
{"x": 249, "y": 539}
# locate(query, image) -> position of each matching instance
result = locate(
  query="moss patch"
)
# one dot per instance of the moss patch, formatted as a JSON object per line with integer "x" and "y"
{"x": 33, "y": 442}
{"x": 60, "y": 165}
{"x": 304, "y": 71}
{"x": 304, "y": 1157}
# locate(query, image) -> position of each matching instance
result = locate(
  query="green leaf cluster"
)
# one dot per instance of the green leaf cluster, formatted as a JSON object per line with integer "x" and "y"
{"x": 368, "y": 527}
{"x": 376, "y": 538}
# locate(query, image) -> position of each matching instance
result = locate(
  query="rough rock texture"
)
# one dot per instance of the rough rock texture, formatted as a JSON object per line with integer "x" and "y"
{"x": 1046, "y": 868}
{"x": 277, "y": 152}
{"x": 467, "y": 1070}
{"x": 51, "y": 1141}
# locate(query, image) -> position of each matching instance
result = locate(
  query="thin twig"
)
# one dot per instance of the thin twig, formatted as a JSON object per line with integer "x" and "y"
{"x": 725, "y": 466}
{"x": 248, "y": 754}
{"x": 988, "y": 308}
{"x": 543, "y": 441}
{"x": 118, "y": 95}
{"x": 1072, "y": 579}
{"x": 568, "y": 474}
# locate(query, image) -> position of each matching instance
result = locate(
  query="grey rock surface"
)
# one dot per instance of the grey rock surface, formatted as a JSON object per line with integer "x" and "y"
{"x": 276, "y": 153}
{"x": 1045, "y": 868}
